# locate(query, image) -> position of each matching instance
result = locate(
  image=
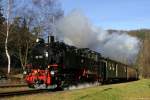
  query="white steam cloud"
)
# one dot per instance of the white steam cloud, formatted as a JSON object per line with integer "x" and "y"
{"x": 75, "y": 29}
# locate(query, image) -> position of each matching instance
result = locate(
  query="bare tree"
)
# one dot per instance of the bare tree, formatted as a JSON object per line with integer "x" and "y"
{"x": 48, "y": 10}
{"x": 20, "y": 40}
{"x": 39, "y": 15}
{"x": 7, "y": 33}
{"x": 25, "y": 41}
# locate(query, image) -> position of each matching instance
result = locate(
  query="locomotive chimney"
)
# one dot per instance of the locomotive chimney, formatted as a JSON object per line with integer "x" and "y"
{"x": 50, "y": 39}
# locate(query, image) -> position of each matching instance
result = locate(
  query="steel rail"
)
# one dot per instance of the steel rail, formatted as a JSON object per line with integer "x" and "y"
{"x": 24, "y": 92}
{"x": 13, "y": 86}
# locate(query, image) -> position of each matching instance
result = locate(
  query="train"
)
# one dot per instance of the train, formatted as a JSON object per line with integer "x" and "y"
{"x": 57, "y": 64}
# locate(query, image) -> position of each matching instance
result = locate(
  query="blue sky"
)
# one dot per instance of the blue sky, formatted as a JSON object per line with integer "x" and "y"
{"x": 113, "y": 14}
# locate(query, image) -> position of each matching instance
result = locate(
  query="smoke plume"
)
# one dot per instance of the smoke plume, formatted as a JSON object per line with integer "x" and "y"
{"x": 75, "y": 29}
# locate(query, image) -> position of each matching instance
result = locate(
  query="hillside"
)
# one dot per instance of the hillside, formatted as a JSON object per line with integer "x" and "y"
{"x": 143, "y": 61}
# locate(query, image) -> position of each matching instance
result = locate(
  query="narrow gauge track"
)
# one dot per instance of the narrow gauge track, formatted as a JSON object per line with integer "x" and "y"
{"x": 35, "y": 91}
{"x": 13, "y": 86}
{"x": 24, "y": 92}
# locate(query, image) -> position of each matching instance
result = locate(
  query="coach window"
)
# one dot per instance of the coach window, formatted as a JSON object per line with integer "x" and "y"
{"x": 110, "y": 66}
{"x": 46, "y": 54}
{"x": 36, "y": 57}
{"x": 113, "y": 68}
{"x": 125, "y": 69}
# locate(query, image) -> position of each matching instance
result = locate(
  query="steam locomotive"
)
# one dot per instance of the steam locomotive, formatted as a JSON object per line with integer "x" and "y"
{"x": 59, "y": 64}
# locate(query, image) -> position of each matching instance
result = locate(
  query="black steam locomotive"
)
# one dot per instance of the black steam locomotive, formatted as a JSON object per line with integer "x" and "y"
{"x": 56, "y": 63}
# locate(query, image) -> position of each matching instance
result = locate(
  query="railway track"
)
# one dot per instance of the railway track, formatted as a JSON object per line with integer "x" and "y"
{"x": 35, "y": 91}
{"x": 13, "y": 86}
{"x": 24, "y": 92}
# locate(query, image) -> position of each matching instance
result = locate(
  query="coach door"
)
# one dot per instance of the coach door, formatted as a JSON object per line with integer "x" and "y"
{"x": 103, "y": 70}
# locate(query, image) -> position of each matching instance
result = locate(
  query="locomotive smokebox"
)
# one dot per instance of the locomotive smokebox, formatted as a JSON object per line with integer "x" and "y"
{"x": 50, "y": 39}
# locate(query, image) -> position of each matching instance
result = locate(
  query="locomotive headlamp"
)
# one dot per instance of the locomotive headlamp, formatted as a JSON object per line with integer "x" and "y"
{"x": 49, "y": 66}
{"x": 40, "y": 40}
{"x": 37, "y": 40}
{"x": 24, "y": 72}
{"x": 52, "y": 72}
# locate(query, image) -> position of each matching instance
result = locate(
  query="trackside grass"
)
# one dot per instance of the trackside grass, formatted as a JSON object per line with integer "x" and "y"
{"x": 137, "y": 90}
